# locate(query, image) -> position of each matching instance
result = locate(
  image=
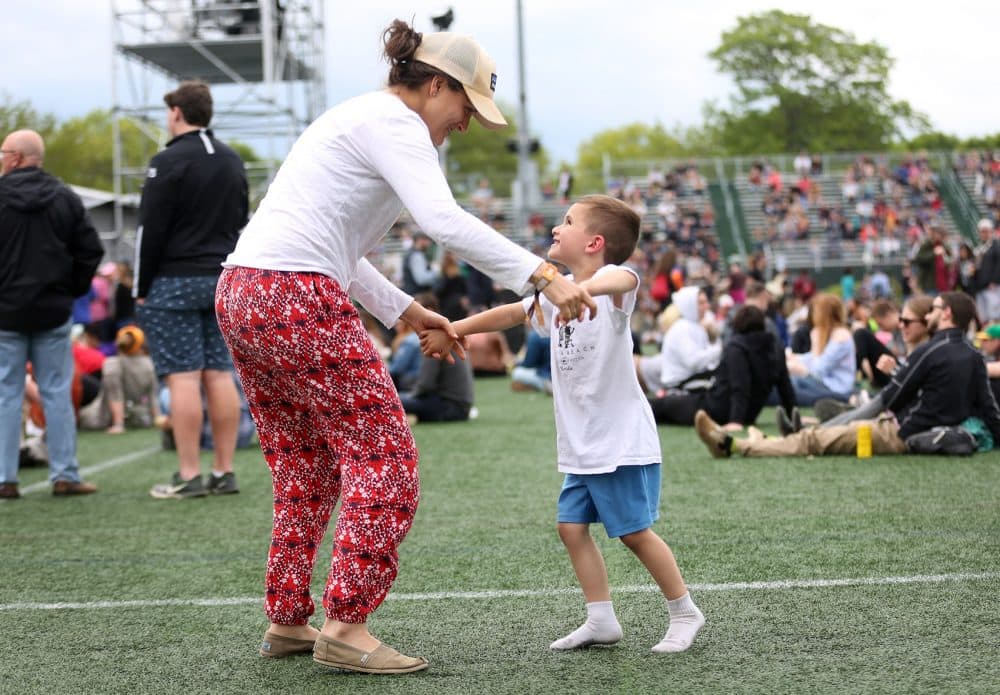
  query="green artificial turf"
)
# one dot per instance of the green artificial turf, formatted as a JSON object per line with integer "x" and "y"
{"x": 486, "y": 524}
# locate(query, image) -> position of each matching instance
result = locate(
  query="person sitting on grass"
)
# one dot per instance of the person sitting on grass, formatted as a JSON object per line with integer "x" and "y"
{"x": 943, "y": 384}
{"x": 443, "y": 390}
{"x": 753, "y": 364}
{"x": 606, "y": 438}
{"x": 129, "y": 387}
{"x": 915, "y": 332}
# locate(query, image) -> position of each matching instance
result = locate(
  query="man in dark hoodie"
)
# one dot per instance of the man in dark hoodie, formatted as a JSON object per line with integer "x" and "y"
{"x": 49, "y": 251}
{"x": 752, "y": 364}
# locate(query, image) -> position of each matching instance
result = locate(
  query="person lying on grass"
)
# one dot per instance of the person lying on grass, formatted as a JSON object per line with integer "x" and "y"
{"x": 607, "y": 441}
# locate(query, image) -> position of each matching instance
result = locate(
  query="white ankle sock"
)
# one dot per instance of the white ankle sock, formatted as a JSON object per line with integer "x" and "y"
{"x": 601, "y": 628}
{"x": 685, "y": 622}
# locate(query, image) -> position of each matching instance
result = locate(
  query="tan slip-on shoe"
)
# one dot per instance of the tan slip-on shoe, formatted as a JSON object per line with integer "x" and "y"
{"x": 278, "y": 646}
{"x": 383, "y": 659}
{"x": 65, "y": 488}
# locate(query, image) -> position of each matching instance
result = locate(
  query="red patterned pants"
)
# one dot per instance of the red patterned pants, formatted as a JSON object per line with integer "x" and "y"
{"x": 331, "y": 426}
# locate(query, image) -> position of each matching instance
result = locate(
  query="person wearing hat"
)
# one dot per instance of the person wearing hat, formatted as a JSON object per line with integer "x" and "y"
{"x": 128, "y": 394}
{"x": 989, "y": 344}
{"x": 987, "y": 278}
{"x": 330, "y": 421}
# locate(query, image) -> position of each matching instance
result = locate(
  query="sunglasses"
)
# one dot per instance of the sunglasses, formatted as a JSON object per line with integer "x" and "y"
{"x": 907, "y": 322}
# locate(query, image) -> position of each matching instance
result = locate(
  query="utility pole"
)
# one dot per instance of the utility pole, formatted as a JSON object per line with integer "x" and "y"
{"x": 526, "y": 186}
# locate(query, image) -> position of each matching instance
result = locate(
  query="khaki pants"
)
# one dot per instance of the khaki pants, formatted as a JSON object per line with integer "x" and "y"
{"x": 820, "y": 441}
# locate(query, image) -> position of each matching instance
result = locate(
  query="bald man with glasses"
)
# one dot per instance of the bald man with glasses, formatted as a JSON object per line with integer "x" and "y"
{"x": 943, "y": 383}
{"x": 49, "y": 251}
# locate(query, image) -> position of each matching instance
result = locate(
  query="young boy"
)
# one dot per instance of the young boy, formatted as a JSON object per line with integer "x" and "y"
{"x": 607, "y": 441}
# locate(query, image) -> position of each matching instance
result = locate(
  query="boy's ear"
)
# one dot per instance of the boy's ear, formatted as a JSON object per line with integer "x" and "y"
{"x": 595, "y": 244}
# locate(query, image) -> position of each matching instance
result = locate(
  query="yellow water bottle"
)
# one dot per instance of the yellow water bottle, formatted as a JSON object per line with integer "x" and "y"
{"x": 864, "y": 440}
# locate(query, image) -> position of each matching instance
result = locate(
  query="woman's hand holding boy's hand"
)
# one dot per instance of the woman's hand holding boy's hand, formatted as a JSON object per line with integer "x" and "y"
{"x": 438, "y": 344}
{"x": 423, "y": 320}
{"x": 572, "y": 299}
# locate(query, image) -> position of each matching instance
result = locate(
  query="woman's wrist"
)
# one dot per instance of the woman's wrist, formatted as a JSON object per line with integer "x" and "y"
{"x": 543, "y": 275}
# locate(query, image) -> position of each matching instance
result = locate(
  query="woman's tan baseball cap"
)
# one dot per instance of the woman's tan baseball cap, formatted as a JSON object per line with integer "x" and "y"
{"x": 461, "y": 57}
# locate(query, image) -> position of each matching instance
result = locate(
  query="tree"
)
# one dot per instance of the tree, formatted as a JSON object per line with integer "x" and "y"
{"x": 805, "y": 85}
{"x": 628, "y": 143}
{"x": 80, "y": 150}
{"x": 933, "y": 141}
{"x": 483, "y": 153}
{"x": 18, "y": 115}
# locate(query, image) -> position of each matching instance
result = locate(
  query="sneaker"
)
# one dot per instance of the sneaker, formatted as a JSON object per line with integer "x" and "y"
{"x": 719, "y": 443}
{"x": 829, "y": 408}
{"x": 226, "y": 485}
{"x": 9, "y": 491}
{"x": 788, "y": 425}
{"x": 179, "y": 489}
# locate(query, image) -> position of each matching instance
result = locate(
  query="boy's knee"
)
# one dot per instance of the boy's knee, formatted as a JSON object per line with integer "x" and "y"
{"x": 635, "y": 539}
{"x": 569, "y": 532}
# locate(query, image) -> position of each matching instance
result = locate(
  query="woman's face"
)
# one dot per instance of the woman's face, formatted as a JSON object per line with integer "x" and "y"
{"x": 914, "y": 329}
{"x": 445, "y": 110}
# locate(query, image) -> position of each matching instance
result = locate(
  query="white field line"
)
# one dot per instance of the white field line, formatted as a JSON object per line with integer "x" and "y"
{"x": 96, "y": 468}
{"x": 525, "y": 593}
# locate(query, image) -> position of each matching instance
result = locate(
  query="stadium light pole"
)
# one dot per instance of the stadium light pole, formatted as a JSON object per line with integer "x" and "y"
{"x": 527, "y": 175}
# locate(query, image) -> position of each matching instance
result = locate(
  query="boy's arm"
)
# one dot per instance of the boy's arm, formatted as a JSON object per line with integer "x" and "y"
{"x": 611, "y": 282}
{"x": 496, "y": 319}
{"x": 435, "y": 343}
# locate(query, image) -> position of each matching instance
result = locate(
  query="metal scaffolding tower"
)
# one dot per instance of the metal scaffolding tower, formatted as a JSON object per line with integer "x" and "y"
{"x": 262, "y": 58}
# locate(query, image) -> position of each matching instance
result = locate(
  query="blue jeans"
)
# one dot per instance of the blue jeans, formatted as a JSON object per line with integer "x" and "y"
{"x": 51, "y": 356}
{"x": 808, "y": 390}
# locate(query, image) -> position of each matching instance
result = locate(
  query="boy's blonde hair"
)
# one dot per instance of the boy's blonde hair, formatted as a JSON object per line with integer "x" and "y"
{"x": 616, "y": 222}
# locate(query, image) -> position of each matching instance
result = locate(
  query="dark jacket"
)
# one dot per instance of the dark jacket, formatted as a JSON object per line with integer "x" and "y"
{"x": 752, "y": 365}
{"x": 194, "y": 204}
{"x": 49, "y": 250}
{"x": 942, "y": 383}
{"x": 988, "y": 268}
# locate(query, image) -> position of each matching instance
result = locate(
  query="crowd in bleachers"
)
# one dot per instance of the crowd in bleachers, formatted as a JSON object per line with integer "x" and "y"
{"x": 882, "y": 210}
{"x": 983, "y": 168}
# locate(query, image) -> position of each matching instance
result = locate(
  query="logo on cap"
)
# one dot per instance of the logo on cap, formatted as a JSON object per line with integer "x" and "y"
{"x": 493, "y": 82}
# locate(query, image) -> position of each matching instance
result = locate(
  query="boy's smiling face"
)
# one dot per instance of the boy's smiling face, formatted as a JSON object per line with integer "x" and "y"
{"x": 570, "y": 239}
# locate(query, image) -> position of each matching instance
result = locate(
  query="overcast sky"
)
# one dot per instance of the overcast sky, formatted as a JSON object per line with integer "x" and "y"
{"x": 590, "y": 64}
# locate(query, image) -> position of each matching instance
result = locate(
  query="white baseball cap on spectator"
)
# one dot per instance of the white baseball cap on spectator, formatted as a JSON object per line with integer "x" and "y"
{"x": 465, "y": 60}
{"x": 985, "y": 224}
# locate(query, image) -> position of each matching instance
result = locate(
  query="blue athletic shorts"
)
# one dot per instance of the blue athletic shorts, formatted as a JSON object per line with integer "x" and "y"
{"x": 625, "y": 501}
{"x": 178, "y": 318}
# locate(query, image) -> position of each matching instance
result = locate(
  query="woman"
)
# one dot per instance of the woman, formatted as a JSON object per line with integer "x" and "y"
{"x": 330, "y": 421}
{"x": 828, "y": 369}
{"x": 913, "y": 320}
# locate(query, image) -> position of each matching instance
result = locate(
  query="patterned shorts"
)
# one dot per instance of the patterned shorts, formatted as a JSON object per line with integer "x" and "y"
{"x": 178, "y": 318}
{"x": 331, "y": 427}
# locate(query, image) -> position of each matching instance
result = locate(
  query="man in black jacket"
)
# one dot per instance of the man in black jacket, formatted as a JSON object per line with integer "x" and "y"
{"x": 48, "y": 253}
{"x": 943, "y": 383}
{"x": 194, "y": 204}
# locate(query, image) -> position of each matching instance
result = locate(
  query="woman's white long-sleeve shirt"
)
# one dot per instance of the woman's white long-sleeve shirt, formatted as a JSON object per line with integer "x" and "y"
{"x": 341, "y": 188}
